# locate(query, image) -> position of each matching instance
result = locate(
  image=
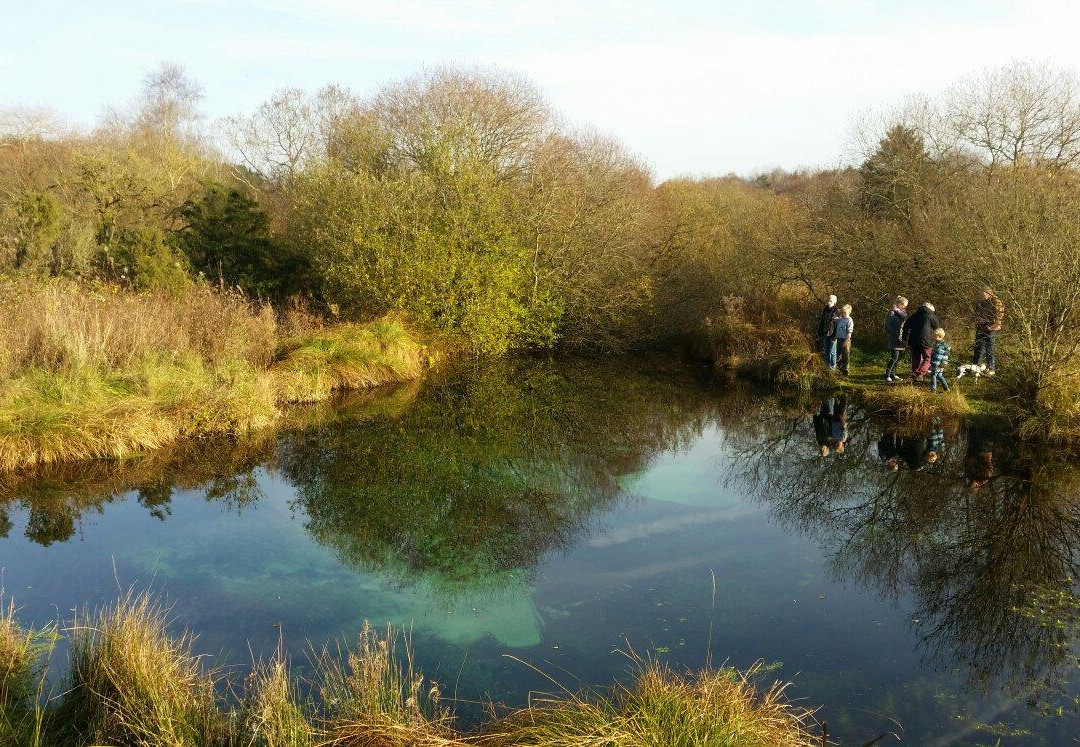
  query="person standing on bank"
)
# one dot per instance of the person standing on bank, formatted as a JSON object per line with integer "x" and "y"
{"x": 989, "y": 315}
{"x": 918, "y": 332}
{"x": 828, "y": 342}
{"x": 842, "y": 328}
{"x": 894, "y": 326}
{"x": 939, "y": 360}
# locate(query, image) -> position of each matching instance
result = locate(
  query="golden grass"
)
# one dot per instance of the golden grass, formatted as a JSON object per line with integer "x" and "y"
{"x": 23, "y": 659}
{"x": 91, "y": 372}
{"x": 718, "y": 707}
{"x": 131, "y": 683}
{"x": 271, "y": 715}
{"x": 375, "y": 698}
{"x": 64, "y": 326}
{"x": 352, "y": 356}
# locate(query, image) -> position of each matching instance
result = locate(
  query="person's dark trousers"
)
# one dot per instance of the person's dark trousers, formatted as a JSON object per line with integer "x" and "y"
{"x": 984, "y": 348}
{"x": 894, "y": 361}
{"x": 920, "y": 361}
{"x": 843, "y": 355}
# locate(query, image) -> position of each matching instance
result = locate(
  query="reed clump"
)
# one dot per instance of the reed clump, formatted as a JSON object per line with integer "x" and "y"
{"x": 23, "y": 659}
{"x": 712, "y": 707}
{"x": 131, "y": 683}
{"x": 98, "y": 371}
{"x": 271, "y": 714}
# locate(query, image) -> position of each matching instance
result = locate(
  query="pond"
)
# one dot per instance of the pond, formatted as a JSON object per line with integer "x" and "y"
{"x": 532, "y": 521}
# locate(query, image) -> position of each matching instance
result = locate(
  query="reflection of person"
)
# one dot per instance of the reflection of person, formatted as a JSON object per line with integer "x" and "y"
{"x": 915, "y": 452}
{"x": 888, "y": 449}
{"x": 843, "y": 328}
{"x": 989, "y": 315}
{"x": 830, "y": 425}
{"x": 828, "y": 341}
{"x": 979, "y": 462}
{"x": 821, "y": 427}
{"x": 919, "y": 334}
{"x": 894, "y": 325}
{"x": 839, "y": 430}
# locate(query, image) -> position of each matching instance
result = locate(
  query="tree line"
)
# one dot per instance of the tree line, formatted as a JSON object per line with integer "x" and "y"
{"x": 461, "y": 198}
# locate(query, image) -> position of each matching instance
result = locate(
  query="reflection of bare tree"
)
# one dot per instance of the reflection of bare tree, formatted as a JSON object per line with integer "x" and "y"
{"x": 969, "y": 530}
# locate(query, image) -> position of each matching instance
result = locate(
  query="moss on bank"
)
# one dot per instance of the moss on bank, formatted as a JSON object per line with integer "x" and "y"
{"x": 89, "y": 412}
{"x": 130, "y": 683}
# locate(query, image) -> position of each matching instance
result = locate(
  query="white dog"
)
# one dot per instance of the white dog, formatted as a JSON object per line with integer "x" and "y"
{"x": 975, "y": 369}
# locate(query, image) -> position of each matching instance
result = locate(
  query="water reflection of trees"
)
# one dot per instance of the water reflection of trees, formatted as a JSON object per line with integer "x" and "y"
{"x": 970, "y": 527}
{"x": 57, "y": 497}
{"x": 490, "y": 470}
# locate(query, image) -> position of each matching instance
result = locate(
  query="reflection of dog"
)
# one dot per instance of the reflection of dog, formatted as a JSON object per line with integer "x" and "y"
{"x": 975, "y": 369}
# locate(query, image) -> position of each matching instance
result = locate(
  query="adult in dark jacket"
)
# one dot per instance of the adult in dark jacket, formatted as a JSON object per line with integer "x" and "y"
{"x": 989, "y": 316}
{"x": 918, "y": 331}
{"x": 825, "y": 332}
{"x": 894, "y": 327}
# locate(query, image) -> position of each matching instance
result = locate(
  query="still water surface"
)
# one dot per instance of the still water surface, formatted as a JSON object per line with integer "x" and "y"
{"x": 561, "y": 512}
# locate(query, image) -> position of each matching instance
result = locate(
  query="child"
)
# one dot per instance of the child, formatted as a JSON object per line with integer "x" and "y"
{"x": 939, "y": 358}
{"x": 843, "y": 326}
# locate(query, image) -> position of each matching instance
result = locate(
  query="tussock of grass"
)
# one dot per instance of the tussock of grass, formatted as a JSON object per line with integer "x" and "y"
{"x": 271, "y": 715}
{"x": 352, "y": 356}
{"x": 48, "y": 417}
{"x": 374, "y": 698}
{"x": 23, "y": 658}
{"x": 130, "y": 683}
{"x": 720, "y": 707}
{"x": 914, "y": 406}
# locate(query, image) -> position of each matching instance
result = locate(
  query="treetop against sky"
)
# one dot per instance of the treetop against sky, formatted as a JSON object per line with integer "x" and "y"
{"x": 693, "y": 87}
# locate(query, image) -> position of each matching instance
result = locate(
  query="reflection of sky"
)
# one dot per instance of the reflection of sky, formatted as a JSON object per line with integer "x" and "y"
{"x": 641, "y": 576}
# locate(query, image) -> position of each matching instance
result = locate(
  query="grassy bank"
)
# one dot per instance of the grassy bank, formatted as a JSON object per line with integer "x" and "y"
{"x": 97, "y": 372}
{"x": 129, "y": 682}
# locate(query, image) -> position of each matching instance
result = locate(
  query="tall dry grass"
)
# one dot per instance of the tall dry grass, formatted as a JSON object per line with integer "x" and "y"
{"x": 65, "y": 326}
{"x": 89, "y": 371}
{"x": 709, "y": 707}
{"x": 133, "y": 684}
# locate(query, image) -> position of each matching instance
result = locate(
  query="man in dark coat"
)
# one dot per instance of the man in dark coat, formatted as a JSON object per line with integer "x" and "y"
{"x": 989, "y": 315}
{"x": 825, "y": 332}
{"x": 918, "y": 332}
{"x": 894, "y": 325}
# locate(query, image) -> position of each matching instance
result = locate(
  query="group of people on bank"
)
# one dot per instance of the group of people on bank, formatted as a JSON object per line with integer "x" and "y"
{"x": 920, "y": 333}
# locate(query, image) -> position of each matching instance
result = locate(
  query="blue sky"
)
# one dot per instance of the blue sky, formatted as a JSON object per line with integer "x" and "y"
{"x": 692, "y": 87}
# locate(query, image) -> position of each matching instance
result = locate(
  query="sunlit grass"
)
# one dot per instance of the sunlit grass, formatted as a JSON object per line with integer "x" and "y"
{"x": 131, "y": 683}
{"x": 51, "y": 416}
{"x": 713, "y": 707}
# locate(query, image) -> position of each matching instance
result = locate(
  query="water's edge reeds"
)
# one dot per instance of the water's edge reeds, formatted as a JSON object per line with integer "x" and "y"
{"x": 130, "y": 682}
